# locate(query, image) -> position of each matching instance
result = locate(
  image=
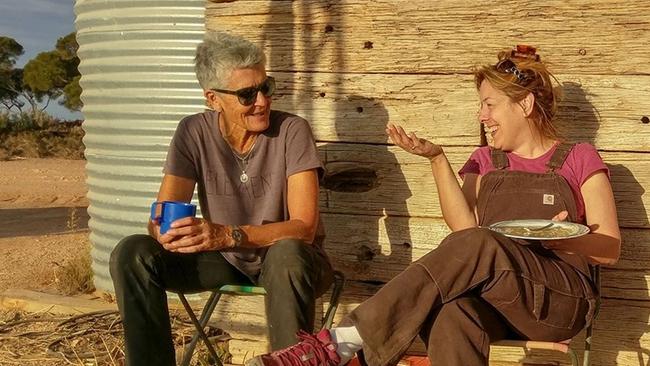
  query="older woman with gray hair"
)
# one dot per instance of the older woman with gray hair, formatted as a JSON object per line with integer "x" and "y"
{"x": 256, "y": 172}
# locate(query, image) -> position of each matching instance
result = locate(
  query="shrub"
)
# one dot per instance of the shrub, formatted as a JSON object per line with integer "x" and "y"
{"x": 76, "y": 276}
{"x": 39, "y": 136}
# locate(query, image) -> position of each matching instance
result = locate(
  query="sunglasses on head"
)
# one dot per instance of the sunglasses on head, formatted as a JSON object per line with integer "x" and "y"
{"x": 247, "y": 96}
{"x": 507, "y": 66}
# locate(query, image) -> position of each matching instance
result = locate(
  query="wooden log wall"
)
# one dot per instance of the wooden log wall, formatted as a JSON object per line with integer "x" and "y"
{"x": 350, "y": 67}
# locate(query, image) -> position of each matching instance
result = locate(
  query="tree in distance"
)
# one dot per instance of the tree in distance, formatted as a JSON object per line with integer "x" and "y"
{"x": 50, "y": 75}
{"x": 53, "y": 74}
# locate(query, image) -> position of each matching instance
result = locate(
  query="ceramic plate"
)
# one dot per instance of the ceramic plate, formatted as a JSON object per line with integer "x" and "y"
{"x": 539, "y": 229}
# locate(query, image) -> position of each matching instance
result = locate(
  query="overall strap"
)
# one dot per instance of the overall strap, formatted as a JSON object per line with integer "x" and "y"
{"x": 559, "y": 156}
{"x": 499, "y": 159}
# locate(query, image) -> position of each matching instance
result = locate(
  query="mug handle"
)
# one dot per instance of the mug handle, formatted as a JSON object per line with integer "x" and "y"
{"x": 153, "y": 210}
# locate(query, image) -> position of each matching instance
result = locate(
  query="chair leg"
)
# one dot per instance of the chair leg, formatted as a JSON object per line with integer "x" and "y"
{"x": 339, "y": 281}
{"x": 199, "y": 325}
{"x": 586, "y": 358}
{"x": 574, "y": 357}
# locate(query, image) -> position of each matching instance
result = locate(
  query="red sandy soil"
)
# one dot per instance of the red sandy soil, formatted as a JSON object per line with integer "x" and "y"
{"x": 43, "y": 220}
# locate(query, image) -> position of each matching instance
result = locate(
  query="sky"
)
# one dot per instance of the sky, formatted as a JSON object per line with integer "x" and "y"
{"x": 36, "y": 25}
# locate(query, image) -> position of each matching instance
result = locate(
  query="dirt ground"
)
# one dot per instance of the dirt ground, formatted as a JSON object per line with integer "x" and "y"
{"x": 43, "y": 220}
{"x": 44, "y": 226}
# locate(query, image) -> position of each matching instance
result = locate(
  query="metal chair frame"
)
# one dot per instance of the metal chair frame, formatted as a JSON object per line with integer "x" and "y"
{"x": 564, "y": 345}
{"x": 211, "y": 303}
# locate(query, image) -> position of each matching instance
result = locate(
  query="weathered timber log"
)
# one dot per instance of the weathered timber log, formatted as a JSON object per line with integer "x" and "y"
{"x": 439, "y": 36}
{"x": 404, "y": 185}
{"x": 604, "y": 110}
{"x": 352, "y": 67}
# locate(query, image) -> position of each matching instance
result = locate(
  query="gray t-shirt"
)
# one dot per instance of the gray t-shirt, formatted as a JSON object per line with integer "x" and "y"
{"x": 199, "y": 152}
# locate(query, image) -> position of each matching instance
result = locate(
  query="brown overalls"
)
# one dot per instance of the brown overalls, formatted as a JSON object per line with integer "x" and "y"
{"x": 479, "y": 286}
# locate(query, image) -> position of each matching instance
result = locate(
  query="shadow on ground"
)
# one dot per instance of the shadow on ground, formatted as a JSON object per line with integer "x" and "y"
{"x": 42, "y": 221}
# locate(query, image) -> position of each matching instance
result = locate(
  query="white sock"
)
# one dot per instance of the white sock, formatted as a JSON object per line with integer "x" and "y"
{"x": 348, "y": 342}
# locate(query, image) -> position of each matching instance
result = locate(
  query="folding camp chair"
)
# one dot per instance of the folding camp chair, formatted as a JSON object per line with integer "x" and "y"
{"x": 199, "y": 324}
{"x": 564, "y": 345}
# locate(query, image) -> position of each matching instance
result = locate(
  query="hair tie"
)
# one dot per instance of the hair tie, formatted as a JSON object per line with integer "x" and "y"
{"x": 525, "y": 51}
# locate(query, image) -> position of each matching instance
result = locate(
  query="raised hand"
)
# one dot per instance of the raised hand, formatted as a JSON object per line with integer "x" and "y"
{"x": 413, "y": 144}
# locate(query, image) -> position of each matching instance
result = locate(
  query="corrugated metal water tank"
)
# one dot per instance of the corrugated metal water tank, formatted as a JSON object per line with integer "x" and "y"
{"x": 138, "y": 82}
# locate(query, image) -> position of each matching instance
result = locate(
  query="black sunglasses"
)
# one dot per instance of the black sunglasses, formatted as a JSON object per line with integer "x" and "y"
{"x": 247, "y": 96}
{"x": 509, "y": 67}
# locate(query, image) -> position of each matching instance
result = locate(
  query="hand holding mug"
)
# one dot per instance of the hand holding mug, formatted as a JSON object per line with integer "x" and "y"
{"x": 192, "y": 235}
{"x": 164, "y": 213}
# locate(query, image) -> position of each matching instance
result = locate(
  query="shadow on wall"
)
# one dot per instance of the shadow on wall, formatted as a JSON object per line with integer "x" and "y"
{"x": 354, "y": 247}
{"x": 352, "y": 188}
{"x": 579, "y": 121}
{"x": 631, "y": 278}
{"x": 349, "y": 181}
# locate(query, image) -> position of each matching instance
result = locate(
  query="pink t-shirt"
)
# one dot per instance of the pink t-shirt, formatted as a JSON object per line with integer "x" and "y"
{"x": 583, "y": 160}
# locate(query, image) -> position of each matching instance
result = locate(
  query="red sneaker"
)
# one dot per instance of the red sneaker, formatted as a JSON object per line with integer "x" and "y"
{"x": 312, "y": 350}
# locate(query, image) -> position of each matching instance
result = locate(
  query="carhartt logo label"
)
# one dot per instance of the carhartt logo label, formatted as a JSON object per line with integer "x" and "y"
{"x": 548, "y": 199}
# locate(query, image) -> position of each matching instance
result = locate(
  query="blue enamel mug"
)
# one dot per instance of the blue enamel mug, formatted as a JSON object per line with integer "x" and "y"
{"x": 171, "y": 211}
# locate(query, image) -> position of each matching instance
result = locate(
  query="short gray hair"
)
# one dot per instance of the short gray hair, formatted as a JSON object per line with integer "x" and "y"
{"x": 219, "y": 54}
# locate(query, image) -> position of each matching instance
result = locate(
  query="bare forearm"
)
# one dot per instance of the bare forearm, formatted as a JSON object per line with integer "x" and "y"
{"x": 455, "y": 210}
{"x": 598, "y": 248}
{"x": 257, "y": 236}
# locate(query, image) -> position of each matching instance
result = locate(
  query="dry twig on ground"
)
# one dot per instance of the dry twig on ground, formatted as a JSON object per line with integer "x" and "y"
{"x": 87, "y": 339}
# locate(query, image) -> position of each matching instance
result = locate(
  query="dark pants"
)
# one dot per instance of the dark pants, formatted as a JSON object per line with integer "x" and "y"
{"x": 475, "y": 288}
{"x": 294, "y": 275}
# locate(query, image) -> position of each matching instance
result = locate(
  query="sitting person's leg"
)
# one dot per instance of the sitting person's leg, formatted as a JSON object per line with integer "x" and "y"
{"x": 294, "y": 275}
{"x": 142, "y": 270}
{"x": 460, "y": 332}
{"x": 467, "y": 260}
{"x": 390, "y": 320}
{"x": 476, "y": 261}
{"x": 548, "y": 300}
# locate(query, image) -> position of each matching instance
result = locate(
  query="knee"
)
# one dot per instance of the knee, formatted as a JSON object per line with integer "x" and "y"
{"x": 465, "y": 246}
{"x": 289, "y": 258}
{"x": 471, "y": 240}
{"x": 131, "y": 252}
{"x": 289, "y": 253}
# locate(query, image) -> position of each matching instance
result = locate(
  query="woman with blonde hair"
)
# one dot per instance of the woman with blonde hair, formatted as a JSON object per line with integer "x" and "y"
{"x": 479, "y": 285}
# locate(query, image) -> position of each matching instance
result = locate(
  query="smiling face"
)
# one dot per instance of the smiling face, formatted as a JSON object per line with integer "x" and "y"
{"x": 505, "y": 122}
{"x": 253, "y": 118}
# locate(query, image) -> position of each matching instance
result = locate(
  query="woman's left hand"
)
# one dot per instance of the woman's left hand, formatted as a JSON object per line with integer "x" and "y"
{"x": 192, "y": 235}
{"x": 413, "y": 144}
{"x": 562, "y": 216}
{"x": 556, "y": 244}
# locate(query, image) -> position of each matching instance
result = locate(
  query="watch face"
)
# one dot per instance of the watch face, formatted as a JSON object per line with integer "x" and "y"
{"x": 236, "y": 235}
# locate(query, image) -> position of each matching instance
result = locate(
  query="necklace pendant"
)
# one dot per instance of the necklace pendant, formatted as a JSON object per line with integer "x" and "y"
{"x": 243, "y": 177}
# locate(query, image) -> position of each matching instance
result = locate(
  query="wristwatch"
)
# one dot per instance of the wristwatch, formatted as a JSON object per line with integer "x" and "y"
{"x": 237, "y": 236}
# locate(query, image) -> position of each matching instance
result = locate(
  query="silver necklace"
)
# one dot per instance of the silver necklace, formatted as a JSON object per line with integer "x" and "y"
{"x": 242, "y": 162}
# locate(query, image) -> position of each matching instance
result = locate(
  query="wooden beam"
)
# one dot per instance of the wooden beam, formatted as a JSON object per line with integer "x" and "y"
{"x": 346, "y": 107}
{"x": 382, "y": 180}
{"x": 595, "y": 37}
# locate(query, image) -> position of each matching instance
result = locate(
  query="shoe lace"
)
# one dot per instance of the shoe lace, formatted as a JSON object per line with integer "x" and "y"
{"x": 309, "y": 350}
